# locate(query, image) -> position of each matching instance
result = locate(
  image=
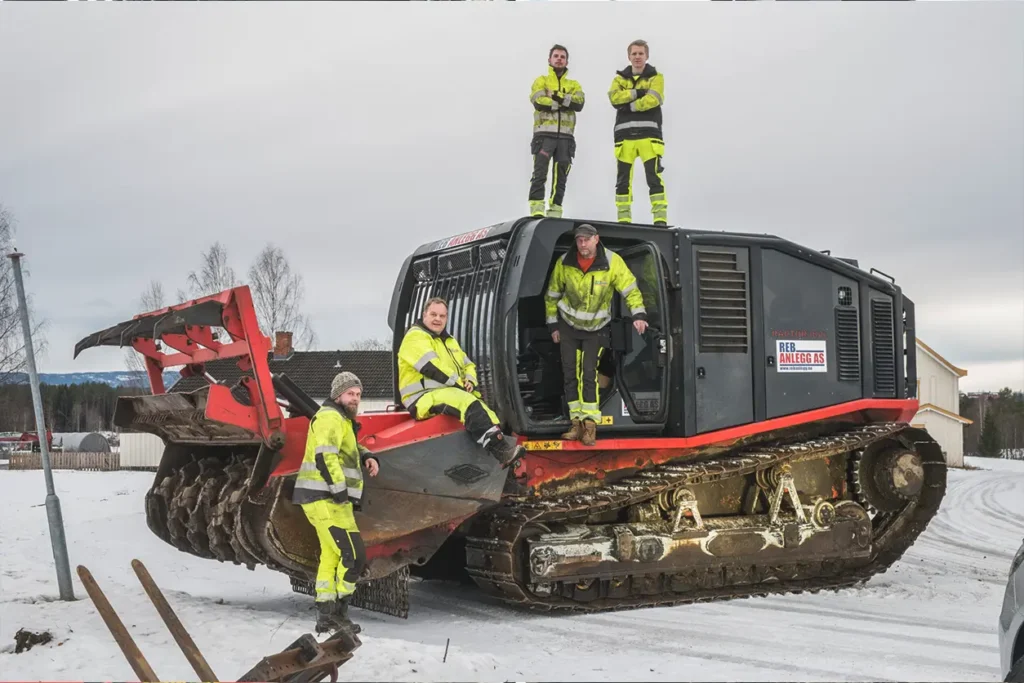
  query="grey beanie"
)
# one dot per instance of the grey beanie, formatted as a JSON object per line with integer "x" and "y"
{"x": 344, "y": 381}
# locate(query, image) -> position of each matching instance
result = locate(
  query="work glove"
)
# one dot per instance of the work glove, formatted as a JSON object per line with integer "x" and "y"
{"x": 640, "y": 92}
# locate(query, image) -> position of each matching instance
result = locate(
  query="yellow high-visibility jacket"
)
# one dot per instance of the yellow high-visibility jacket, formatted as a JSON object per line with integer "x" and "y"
{"x": 638, "y": 101}
{"x": 429, "y": 361}
{"x": 585, "y": 299}
{"x": 556, "y": 115}
{"x": 332, "y": 464}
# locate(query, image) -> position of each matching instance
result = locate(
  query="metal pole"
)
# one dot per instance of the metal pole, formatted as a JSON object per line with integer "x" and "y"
{"x": 57, "y": 540}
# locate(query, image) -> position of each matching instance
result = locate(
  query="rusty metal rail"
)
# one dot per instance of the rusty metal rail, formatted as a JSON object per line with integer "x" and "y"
{"x": 304, "y": 661}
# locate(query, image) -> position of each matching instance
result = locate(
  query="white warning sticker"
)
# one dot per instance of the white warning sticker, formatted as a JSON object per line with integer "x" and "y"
{"x": 805, "y": 355}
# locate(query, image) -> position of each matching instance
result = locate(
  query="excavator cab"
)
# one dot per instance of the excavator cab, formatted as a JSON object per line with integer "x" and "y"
{"x": 495, "y": 279}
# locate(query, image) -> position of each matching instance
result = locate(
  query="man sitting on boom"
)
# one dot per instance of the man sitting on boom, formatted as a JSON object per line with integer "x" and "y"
{"x": 436, "y": 377}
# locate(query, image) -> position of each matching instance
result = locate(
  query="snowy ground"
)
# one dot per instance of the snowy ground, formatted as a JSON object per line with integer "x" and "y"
{"x": 931, "y": 617}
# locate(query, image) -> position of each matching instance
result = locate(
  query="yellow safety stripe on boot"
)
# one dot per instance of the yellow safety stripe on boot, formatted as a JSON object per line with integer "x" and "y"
{"x": 537, "y": 208}
{"x": 554, "y": 211}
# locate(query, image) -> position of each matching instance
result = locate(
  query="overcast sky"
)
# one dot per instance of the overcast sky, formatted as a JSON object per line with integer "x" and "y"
{"x": 350, "y": 133}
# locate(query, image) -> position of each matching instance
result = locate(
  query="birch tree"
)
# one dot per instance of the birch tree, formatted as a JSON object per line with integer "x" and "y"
{"x": 277, "y": 294}
{"x": 12, "y": 340}
{"x": 152, "y": 299}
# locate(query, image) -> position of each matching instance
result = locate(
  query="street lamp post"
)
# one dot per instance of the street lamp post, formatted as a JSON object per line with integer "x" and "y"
{"x": 53, "y": 515}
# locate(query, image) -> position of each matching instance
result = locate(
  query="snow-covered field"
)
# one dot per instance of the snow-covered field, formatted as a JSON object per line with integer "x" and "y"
{"x": 931, "y": 617}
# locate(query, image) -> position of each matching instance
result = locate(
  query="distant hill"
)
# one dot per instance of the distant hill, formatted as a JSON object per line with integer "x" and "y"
{"x": 114, "y": 378}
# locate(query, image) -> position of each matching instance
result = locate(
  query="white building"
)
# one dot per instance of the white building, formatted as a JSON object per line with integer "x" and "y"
{"x": 938, "y": 390}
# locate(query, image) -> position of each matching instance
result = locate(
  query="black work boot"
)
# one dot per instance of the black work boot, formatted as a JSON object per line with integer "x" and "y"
{"x": 326, "y": 620}
{"x": 341, "y": 616}
{"x": 504, "y": 450}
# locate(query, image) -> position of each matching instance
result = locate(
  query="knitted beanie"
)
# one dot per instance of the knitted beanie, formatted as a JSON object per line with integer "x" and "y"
{"x": 344, "y": 381}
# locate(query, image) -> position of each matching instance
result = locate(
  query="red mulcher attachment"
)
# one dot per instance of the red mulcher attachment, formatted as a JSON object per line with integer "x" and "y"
{"x": 188, "y": 329}
{"x": 223, "y": 487}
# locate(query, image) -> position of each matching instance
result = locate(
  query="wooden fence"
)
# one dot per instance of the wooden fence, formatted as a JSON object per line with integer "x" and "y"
{"x": 102, "y": 462}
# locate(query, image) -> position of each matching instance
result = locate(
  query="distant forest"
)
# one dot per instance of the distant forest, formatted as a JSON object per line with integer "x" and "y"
{"x": 998, "y": 423}
{"x": 66, "y": 407}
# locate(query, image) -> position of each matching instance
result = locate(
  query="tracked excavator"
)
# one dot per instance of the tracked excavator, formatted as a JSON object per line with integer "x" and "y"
{"x": 754, "y": 440}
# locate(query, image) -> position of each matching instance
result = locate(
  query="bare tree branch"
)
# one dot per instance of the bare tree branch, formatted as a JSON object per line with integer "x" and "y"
{"x": 277, "y": 294}
{"x": 152, "y": 299}
{"x": 12, "y": 341}
{"x": 372, "y": 344}
{"x": 214, "y": 276}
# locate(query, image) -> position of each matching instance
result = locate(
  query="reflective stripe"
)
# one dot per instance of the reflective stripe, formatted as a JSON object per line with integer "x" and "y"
{"x": 325, "y": 449}
{"x": 551, "y": 319}
{"x": 554, "y": 295}
{"x": 308, "y": 467}
{"x": 312, "y": 485}
{"x": 656, "y": 95}
{"x": 583, "y": 315}
{"x": 354, "y": 492}
{"x": 418, "y": 387}
{"x": 636, "y": 124}
{"x": 537, "y": 95}
{"x": 638, "y": 309}
{"x": 350, "y": 472}
{"x": 629, "y": 289}
{"x": 424, "y": 359}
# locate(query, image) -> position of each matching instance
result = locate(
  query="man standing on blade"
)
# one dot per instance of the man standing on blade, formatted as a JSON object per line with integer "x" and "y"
{"x": 556, "y": 99}
{"x": 637, "y": 93}
{"x": 329, "y": 488}
{"x": 578, "y": 307}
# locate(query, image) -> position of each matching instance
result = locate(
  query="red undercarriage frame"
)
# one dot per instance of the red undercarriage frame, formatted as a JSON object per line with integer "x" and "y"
{"x": 545, "y": 461}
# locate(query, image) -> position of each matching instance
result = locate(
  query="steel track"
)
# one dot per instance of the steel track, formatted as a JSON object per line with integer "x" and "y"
{"x": 495, "y": 539}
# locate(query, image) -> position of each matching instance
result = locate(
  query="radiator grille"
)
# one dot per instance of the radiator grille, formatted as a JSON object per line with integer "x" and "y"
{"x": 883, "y": 347}
{"x": 848, "y": 344}
{"x": 722, "y": 292}
{"x": 468, "y": 280}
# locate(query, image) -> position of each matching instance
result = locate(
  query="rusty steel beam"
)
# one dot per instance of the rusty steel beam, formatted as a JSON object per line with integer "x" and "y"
{"x": 181, "y": 636}
{"x": 306, "y": 660}
{"x": 117, "y": 629}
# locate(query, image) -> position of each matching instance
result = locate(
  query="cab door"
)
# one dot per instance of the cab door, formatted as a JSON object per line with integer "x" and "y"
{"x": 642, "y": 369}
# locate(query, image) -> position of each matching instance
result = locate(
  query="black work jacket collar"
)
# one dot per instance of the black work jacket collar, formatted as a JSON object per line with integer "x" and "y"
{"x": 572, "y": 258}
{"x": 648, "y": 72}
{"x": 444, "y": 336}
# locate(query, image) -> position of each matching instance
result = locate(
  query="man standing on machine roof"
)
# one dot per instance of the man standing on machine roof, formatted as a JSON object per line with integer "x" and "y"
{"x": 637, "y": 93}
{"x": 329, "y": 488}
{"x": 556, "y": 99}
{"x": 578, "y": 306}
{"x": 438, "y": 378}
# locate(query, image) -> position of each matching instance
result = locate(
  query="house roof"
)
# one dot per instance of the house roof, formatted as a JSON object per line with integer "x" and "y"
{"x": 959, "y": 372}
{"x": 312, "y": 371}
{"x": 932, "y": 408}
